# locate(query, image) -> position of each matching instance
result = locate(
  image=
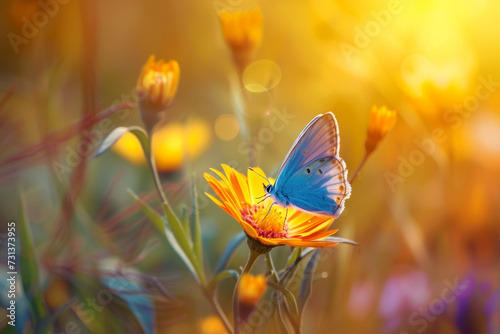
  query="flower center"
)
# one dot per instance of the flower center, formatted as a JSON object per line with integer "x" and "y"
{"x": 268, "y": 225}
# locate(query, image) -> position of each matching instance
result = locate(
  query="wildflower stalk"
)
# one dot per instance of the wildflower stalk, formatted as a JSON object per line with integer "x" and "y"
{"x": 382, "y": 120}
{"x": 152, "y": 166}
{"x": 252, "y": 257}
{"x": 360, "y": 166}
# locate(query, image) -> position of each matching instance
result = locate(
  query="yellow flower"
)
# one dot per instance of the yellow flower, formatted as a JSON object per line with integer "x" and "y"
{"x": 382, "y": 120}
{"x": 157, "y": 85}
{"x": 211, "y": 325}
{"x": 239, "y": 197}
{"x": 251, "y": 289}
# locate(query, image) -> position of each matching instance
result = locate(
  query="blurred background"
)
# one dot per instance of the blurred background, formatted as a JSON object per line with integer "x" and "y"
{"x": 425, "y": 209}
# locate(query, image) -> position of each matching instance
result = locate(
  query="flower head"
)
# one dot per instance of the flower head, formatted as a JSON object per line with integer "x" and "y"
{"x": 382, "y": 120}
{"x": 251, "y": 289}
{"x": 157, "y": 85}
{"x": 242, "y": 32}
{"x": 239, "y": 195}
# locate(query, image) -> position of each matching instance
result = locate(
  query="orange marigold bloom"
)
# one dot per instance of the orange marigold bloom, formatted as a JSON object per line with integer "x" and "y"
{"x": 251, "y": 289}
{"x": 242, "y": 30}
{"x": 243, "y": 33}
{"x": 382, "y": 120}
{"x": 157, "y": 85}
{"x": 239, "y": 197}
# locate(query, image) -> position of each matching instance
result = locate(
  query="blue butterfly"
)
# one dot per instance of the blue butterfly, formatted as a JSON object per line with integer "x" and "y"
{"x": 313, "y": 178}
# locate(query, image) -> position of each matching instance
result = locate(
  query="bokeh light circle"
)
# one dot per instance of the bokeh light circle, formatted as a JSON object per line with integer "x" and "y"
{"x": 226, "y": 127}
{"x": 261, "y": 75}
{"x": 254, "y": 104}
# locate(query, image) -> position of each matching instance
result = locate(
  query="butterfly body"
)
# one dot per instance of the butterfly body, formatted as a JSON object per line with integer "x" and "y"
{"x": 313, "y": 177}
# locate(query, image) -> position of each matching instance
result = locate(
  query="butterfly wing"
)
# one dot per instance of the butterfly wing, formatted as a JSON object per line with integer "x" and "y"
{"x": 320, "y": 138}
{"x": 321, "y": 187}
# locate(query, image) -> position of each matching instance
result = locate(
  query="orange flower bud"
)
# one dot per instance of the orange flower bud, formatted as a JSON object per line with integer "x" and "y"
{"x": 382, "y": 120}
{"x": 242, "y": 32}
{"x": 251, "y": 289}
{"x": 157, "y": 85}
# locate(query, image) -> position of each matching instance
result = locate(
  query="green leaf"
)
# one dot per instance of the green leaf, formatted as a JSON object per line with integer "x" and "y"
{"x": 28, "y": 266}
{"x": 150, "y": 213}
{"x": 110, "y": 140}
{"x": 184, "y": 242}
{"x": 290, "y": 298}
{"x": 291, "y": 312}
{"x": 176, "y": 226}
{"x": 117, "y": 133}
{"x": 223, "y": 275}
{"x": 297, "y": 251}
{"x": 306, "y": 285}
{"x": 162, "y": 226}
{"x": 195, "y": 223}
{"x": 290, "y": 270}
{"x": 341, "y": 240}
{"x": 139, "y": 303}
{"x": 229, "y": 251}
{"x": 186, "y": 224}
{"x": 271, "y": 267}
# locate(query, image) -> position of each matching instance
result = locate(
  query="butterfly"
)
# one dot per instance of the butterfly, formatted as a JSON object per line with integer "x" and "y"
{"x": 313, "y": 177}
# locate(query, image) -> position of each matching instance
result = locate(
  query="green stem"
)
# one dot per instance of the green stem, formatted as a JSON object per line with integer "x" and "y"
{"x": 152, "y": 166}
{"x": 252, "y": 257}
{"x": 270, "y": 265}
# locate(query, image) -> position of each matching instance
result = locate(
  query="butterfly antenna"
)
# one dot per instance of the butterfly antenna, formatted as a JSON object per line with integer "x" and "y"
{"x": 260, "y": 175}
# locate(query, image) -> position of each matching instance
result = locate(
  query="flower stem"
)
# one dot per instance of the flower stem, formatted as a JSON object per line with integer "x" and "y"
{"x": 252, "y": 257}
{"x": 152, "y": 166}
{"x": 361, "y": 164}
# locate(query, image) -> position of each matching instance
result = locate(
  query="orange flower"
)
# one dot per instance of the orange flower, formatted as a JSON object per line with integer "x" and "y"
{"x": 159, "y": 81}
{"x": 382, "y": 120}
{"x": 251, "y": 289}
{"x": 243, "y": 33}
{"x": 157, "y": 85}
{"x": 242, "y": 30}
{"x": 239, "y": 198}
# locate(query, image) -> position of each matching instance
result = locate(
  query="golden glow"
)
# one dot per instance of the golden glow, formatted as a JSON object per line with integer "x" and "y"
{"x": 226, "y": 127}
{"x": 251, "y": 289}
{"x": 158, "y": 83}
{"x": 211, "y": 325}
{"x": 382, "y": 120}
{"x": 239, "y": 196}
{"x": 57, "y": 293}
{"x": 173, "y": 144}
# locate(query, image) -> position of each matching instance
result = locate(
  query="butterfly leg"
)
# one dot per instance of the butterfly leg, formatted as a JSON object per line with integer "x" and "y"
{"x": 267, "y": 213}
{"x": 286, "y": 216}
{"x": 263, "y": 199}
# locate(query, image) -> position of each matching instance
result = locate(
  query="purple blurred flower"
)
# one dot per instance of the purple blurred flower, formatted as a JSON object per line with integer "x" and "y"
{"x": 478, "y": 309}
{"x": 402, "y": 294}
